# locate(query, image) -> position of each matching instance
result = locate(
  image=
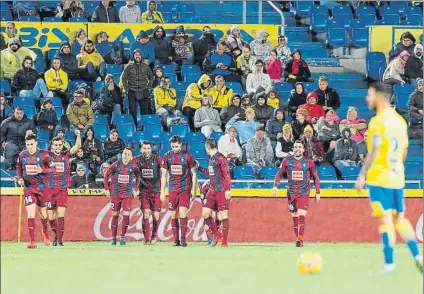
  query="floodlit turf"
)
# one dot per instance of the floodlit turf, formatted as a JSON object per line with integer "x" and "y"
{"x": 96, "y": 267}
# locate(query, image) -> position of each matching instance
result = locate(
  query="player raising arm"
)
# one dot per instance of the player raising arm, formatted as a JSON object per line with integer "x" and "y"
{"x": 384, "y": 172}
{"x": 299, "y": 170}
{"x": 179, "y": 169}
{"x": 33, "y": 168}
{"x": 219, "y": 193}
{"x": 149, "y": 165}
{"x": 58, "y": 181}
{"x": 122, "y": 187}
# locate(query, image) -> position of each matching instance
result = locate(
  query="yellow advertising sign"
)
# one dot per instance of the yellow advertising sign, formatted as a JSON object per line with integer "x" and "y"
{"x": 383, "y": 38}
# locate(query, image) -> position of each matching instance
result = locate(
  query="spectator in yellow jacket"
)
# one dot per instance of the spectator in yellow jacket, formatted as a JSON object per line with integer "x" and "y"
{"x": 165, "y": 99}
{"x": 12, "y": 58}
{"x": 152, "y": 15}
{"x": 193, "y": 97}
{"x": 221, "y": 94}
{"x": 91, "y": 63}
{"x": 57, "y": 81}
{"x": 273, "y": 99}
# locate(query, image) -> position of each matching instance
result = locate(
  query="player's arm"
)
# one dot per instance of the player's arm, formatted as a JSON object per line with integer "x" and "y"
{"x": 225, "y": 176}
{"x": 314, "y": 174}
{"x": 20, "y": 170}
{"x": 204, "y": 170}
{"x": 106, "y": 179}
{"x": 281, "y": 171}
{"x": 78, "y": 143}
{"x": 47, "y": 166}
{"x": 194, "y": 180}
{"x": 163, "y": 181}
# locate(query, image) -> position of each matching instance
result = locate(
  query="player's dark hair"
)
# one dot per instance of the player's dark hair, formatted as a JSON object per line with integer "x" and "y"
{"x": 175, "y": 139}
{"x": 129, "y": 149}
{"x": 30, "y": 137}
{"x": 382, "y": 88}
{"x": 298, "y": 142}
{"x": 211, "y": 143}
{"x": 19, "y": 108}
{"x": 57, "y": 139}
{"x": 113, "y": 131}
{"x": 145, "y": 142}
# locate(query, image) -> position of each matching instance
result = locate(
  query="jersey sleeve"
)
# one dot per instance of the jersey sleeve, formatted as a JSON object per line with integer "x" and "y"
{"x": 204, "y": 170}
{"x": 281, "y": 171}
{"x": 165, "y": 164}
{"x": 47, "y": 166}
{"x": 137, "y": 173}
{"x": 190, "y": 161}
{"x": 375, "y": 133}
{"x": 225, "y": 173}
{"x": 110, "y": 170}
{"x": 314, "y": 175}
{"x": 19, "y": 167}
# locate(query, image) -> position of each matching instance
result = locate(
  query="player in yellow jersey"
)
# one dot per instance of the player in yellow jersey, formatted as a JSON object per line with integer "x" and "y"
{"x": 384, "y": 173}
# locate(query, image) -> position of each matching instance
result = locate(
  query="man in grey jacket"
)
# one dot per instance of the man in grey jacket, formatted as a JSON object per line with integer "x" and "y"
{"x": 12, "y": 136}
{"x": 274, "y": 127}
{"x": 206, "y": 118}
{"x": 261, "y": 48}
{"x": 259, "y": 151}
{"x": 105, "y": 12}
{"x": 346, "y": 151}
{"x": 130, "y": 13}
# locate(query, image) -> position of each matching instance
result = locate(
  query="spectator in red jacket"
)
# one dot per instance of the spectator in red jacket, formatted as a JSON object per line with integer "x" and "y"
{"x": 314, "y": 148}
{"x": 274, "y": 67}
{"x": 314, "y": 110}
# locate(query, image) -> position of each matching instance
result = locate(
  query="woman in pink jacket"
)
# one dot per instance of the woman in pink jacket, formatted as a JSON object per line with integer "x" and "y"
{"x": 274, "y": 67}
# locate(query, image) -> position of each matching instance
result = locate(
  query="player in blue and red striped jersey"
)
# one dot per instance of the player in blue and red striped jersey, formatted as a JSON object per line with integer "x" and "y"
{"x": 59, "y": 181}
{"x": 122, "y": 187}
{"x": 299, "y": 171}
{"x": 33, "y": 168}
{"x": 149, "y": 166}
{"x": 219, "y": 194}
{"x": 181, "y": 168}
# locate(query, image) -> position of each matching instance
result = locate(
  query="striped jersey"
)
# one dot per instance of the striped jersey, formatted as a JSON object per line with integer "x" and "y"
{"x": 27, "y": 169}
{"x": 179, "y": 167}
{"x": 123, "y": 179}
{"x": 60, "y": 178}
{"x": 149, "y": 171}
{"x": 219, "y": 173}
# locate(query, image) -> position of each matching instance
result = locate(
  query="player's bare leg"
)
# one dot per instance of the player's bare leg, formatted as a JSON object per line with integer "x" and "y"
{"x": 223, "y": 216}
{"x": 182, "y": 211}
{"x": 60, "y": 229}
{"x": 42, "y": 211}
{"x": 114, "y": 226}
{"x": 175, "y": 227}
{"x": 51, "y": 215}
{"x": 146, "y": 226}
{"x": 31, "y": 211}
{"x": 301, "y": 214}
{"x": 156, "y": 222}
{"x": 212, "y": 228}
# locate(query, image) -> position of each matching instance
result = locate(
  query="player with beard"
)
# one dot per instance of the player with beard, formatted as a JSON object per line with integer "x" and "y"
{"x": 58, "y": 182}
{"x": 299, "y": 170}
{"x": 33, "y": 167}
{"x": 149, "y": 166}
{"x": 179, "y": 169}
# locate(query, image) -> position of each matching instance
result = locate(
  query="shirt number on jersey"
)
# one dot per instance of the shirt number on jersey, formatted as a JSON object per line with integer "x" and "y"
{"x": 28, "y": 200}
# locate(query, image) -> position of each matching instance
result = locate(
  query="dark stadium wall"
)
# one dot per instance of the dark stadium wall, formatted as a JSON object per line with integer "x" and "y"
{"x": 252, "y": 220}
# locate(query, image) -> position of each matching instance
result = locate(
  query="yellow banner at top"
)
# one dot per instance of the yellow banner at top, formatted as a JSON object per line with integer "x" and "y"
{"x": 383, "y": 38}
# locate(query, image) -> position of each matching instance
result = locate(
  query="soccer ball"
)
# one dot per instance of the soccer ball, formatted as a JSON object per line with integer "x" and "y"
{"x": 309, "y": 263}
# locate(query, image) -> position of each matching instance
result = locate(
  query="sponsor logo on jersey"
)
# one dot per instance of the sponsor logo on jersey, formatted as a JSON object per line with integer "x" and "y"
{"x": 31, "y": 169}
{"x": 176, "y": 170}
{"x": 59, "y": 166}
{"x": 123, "y": 179}
{"x": 211, "y": 171}
{"x": 297, "y": 175}
{"x": 147, "y": 173}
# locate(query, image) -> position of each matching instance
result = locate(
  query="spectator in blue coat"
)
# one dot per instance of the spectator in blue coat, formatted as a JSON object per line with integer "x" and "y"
{"x": 143, "y": 43}
{"x": 219, "y": 62}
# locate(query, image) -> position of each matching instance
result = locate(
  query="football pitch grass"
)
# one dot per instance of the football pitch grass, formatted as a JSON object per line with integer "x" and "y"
{"x": 97, "y": 267}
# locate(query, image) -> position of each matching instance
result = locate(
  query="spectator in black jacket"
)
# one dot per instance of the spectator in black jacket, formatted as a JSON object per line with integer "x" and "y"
{"x": 5, "y": 109}
{"x": 300, "y": 123}
{"x": 157, "y": 75}
{"x": 328, "y": 98}
{"x": 297, "y": 98}
{"x": 113, "y": 147}
{"x": 92, "y": 148}
{"x": 110, "y": 101}
{"x": 68, "y": 61}
{"x": 47, "y": 118}
{"x": 27, "y": 81}
{"x": 406, "y": 42}
{"x": 263, "y": 112}
{"x": 416, "y": 111}
{"x": 164, "y": 54}
{"x": 297, "y": 70}
{"x": 105, "y": 12}
{"x": 229, "y": 112}
{"x": 204, "y": 45}
{"x": 3, "y": 44}
{"x": 414, "y": 65}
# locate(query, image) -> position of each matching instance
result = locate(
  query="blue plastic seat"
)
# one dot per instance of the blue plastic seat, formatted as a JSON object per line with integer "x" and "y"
{"x": 139, "y": 137}
{"x": 126, "y": 131}
{"x": 244, "y": 173}
{"x": 414, "y": 20}
{"x": 4, "y": 6}
{"x": 401, "y": 95}
{"x": 398, "y": 6}
{"x": 5, "y": 87}
{"x": 180, "y": 86}
{"x": 359, "y": 34}
{"x": 284, "y": 89}
{"x": 148, "y": 119}
{"x": 164, "y": 138}
{"x": 74, "y": 84}
{"x": 190, "y": 69}
{"x": 195, "y": 146}
{"x": 336, "y": 34}
{"x": 97, "y": 86}
{"x": 6, "y": 15}
{"x": 192, "y": 78}
{"x": 192, "y": 137}
{"x": 309, "y": 87}
{"x": 52, "y": 53}
{"x": 78, "y": 19}
{"x": 303, "y": 8}
{"x": 70, "y": 137}
{"x": 261, "y": 185}
{"x": 101, "y": 119}
{"x": 217, "y": 135}
{"x": 59, "y": 112}
{"x": 235, "y": 86}
{"x": 121, "y": 119}
{"x": 43, "y": 135}
{"x": 29, "y": 18}
{"x": 375, "y": 61}
{"x": 23, "y": 101}
{"x": 365, "y": 10}
{"x": 390, "y": 19}
{"x": 199, "y": 154}
{"x": 350, "y": 172}
{"x": 168, "y": 69}
{"x": 114, "y": 69}
{"x": 154, "y": 131}
{"x": 342, "y": 12}
{"x": 52, "y": 19}
{"x": 44, "y": 145}
{"x": 326, "y": 172}
{"x": 180, "y": 130}
{"x": 101, "y": 132}
{"x": 319, "y": 22}
{"x": 268, "y": 172}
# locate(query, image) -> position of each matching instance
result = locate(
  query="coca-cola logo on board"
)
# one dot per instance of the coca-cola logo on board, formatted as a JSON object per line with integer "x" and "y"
{"x": 195, "y": 232}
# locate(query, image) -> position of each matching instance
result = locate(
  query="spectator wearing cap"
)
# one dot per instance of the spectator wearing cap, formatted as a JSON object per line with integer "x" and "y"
{"x": 273, "y": 98}
{"x": 261, "y": 47}
{"x": 221, "y": 94}
{"x": 297, "y": 70}
{"x": 245, "y": 128}
{"x": 395, "y": 71}
{"x": 206, "y": 118}
{"x": 165, "y": 99}
{"x": 27, "y": 81}
{"x": 12, "y": 58}
{"x": 263, "y": 111}
{"x": 78, "y": 43}
{"x": 259, "y": 152}
{"x": 300, "y": 123}
{"x": 285, "y": 143}
{"x": 47, "y": 118}
{"x": 91, "y": 63}
{"x": 68, "y": 61}
{"x": 235, "y": 42}
{"x": 246, "y": 102}
{"x": 297, "y": 97}
{"x": 283, "y": 51}
{"x": 151, "y": 15}
{"x": 245, "y": 64}
{"x": 314, "y": 110}
{"x": 274, "y": 67}
{"x": 257, "y": 82}
{"x": 274, "y": 126}
{"x": 57, "y": 81}
{"x": 130, "y": 13}
{"x": 346, "y": 152}
{"x": 5, "y": 109}
{"x": 228, "y": 144}
{"x": 416, "y": 111}
{"x": 12, "y": 135}
{"x": 110, "y": 101}
{"x": 105, "y": 12}
{"x": 414, "y": 65}
{"x": 142, "y": 42}
{"x": 164, "y": 53}
{"x": 228, "y": 112}
{"x": 204, "y": 45}
{"x": 406, "y": 43}
{"x": 219, "y": 62}
{"x": 314, "y": 148}
{"x": 183, "y": 48}
{"x": 79, "y": 113}
{"x": 157, "y": 75}
{"x": 328, "y": 98}
{"x": 113, "y": 147}
{"x": 357, "y": 126}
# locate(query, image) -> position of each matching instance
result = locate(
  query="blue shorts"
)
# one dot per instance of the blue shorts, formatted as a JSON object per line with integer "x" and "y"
{"x": 385, "y": 200}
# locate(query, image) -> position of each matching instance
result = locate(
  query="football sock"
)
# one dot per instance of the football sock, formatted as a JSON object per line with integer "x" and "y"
{"x": 406, "y": 231}
{"x": 53, "y": 226}
{"x": 114, "y": 226}
{"x": 302, "y": 226}
{"x": 125, "y": 223}
{"x": 388, "y": 238}
{"x": 31, "y": 229}
{"x": 146, "y": 229}
{"x": 175, "y": 229}
{"x": 183, "y": 225}
{"x": 60, "y": 228}
{"x": 45, "y": 222}
{"x": 218, "y": 223}
{"x": 225, "y": 229}
{"x": 155, "y": 227}
{"x": 211, "y": 224}
{"x": 295, "y": 225}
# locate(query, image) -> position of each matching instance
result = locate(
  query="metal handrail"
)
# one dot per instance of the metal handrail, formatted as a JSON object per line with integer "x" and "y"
{"x": 283, "y": 22}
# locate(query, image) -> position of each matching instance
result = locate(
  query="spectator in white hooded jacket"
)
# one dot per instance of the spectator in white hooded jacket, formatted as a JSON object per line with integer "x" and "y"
{"x": 228, "y": 144}
{"x": 257, "y": 82}
{"x": 206, "y": 118}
